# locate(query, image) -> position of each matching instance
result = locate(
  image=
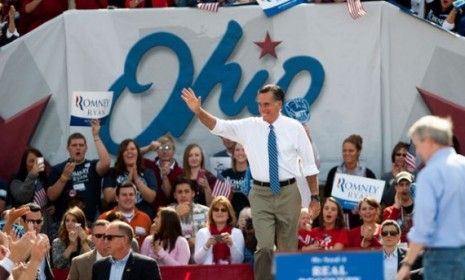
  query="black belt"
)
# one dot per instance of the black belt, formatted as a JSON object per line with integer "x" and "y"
{"x": 281, "y": 183}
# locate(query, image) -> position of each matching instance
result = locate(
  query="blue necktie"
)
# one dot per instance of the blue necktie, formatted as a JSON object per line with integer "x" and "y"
{"x": 273, "y": 161}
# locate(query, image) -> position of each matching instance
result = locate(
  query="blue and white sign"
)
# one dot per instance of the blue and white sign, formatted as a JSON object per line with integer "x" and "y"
{"x": 88, "y": 105}
{"x": 349, "y": 189}
{"x": 342, "y": 265}
{"x": 298, "y": 109}
{"x": 273, "y": 7}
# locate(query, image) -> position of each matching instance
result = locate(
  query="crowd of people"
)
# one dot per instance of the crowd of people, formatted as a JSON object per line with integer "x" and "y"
{"x": 170, "y": 210}
{"x": 80, "y": 211}
{"x": 21, "y": 16}
{"x": 444, "y": 13}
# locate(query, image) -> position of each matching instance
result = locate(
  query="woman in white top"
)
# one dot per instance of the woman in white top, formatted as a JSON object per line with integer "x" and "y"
{"x": 220, "y": 242}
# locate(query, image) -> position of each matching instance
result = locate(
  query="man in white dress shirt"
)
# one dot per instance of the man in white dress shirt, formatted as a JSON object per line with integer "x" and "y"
{"x": 275, "y": 199}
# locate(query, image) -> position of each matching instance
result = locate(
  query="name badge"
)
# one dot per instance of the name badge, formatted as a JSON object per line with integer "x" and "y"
{"x": 139, "y": 230}
{"x": 79, "y": 187}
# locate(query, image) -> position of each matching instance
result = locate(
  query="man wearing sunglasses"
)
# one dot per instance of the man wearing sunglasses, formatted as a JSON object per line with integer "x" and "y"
{"x": 80, "y": 265}
{"x": 33, "y": 221}
{"x": 393, "y": 254}
{"x": 123, "y": 263}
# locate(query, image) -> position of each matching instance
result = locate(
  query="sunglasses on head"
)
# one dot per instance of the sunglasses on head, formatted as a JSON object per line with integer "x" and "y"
{"x": 385, "y": 233}
{"x": 215, "y": 209}
{"x": 110, "y": 237}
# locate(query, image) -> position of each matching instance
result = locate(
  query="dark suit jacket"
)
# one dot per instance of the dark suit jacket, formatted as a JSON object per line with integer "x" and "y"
{"x": 48, "y": 270}
{"x": 81, "y": 266}
{"x": 138, "y": 267}
{"x": 3, "y": 273}
{"x": 401, "y": 252}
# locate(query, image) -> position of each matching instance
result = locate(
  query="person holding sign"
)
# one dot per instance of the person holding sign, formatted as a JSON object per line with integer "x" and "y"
{"x": 76, "y": 181}
{"x": 351, "y": 150}
{"x": 273, "y": 144}
{"x": 438, "y": 220}
{"x": 367, "y": 235}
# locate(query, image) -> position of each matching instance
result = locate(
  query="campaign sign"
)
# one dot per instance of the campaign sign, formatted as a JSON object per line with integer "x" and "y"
{"x": 298, "y": 109}
{"x": 89, "y": 105}
{"x": 349, "y": 189}
{"x": 219, "y": 164}
{"x": 273, "y": 7}
{"x": 337, "y": 265}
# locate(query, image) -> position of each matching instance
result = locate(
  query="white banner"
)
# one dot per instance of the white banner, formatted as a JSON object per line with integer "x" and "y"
{"x": 353, "y": 76}
{"x": 89, "y": 105}
{"x": 349, "y": 189}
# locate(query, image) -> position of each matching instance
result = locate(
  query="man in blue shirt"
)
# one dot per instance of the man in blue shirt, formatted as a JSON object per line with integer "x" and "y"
{"x": 439, "y": 226}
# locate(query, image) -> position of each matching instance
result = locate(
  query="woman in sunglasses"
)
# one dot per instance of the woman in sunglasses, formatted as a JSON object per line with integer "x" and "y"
{"x": 393, "y": 254}
{"x": 167, "y": 245}
{"x": 220, "y": 242}
{"x": 399, "y": 164}
{"x": 367, "y": 235}
{"x": 72, "y": 238}
{"x": 332, "y": 233}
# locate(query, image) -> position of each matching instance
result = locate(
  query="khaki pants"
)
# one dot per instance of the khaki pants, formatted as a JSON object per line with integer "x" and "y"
{"x": 275, "y": 220}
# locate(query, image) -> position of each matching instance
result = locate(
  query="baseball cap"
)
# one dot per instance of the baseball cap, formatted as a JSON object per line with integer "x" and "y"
{"x": 404, "y": 175}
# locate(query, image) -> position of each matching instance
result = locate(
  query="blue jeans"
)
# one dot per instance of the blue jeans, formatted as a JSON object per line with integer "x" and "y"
{"x": 444, "y": 263}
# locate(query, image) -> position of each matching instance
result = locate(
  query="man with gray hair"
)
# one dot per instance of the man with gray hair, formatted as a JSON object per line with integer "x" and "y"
{"x": 439, "y": 226}
{"x": 123, "y": 263}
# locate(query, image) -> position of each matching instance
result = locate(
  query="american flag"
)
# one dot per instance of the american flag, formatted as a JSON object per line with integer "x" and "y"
{"x": 222, "y": 187}
{"x": 40, "y": 197}
{"x": 356, "y": 9}
{"x": 210, "y": 7}
{"x": 411, "y": 159}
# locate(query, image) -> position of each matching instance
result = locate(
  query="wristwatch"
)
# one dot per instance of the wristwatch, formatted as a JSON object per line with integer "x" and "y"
{"x": 315, "y": 197}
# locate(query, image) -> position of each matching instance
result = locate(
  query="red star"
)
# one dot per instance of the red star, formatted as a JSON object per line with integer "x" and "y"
{"x": 445, "y": 108}
{"x": 17, "y": 131}
{"x": 268, "y": 46}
